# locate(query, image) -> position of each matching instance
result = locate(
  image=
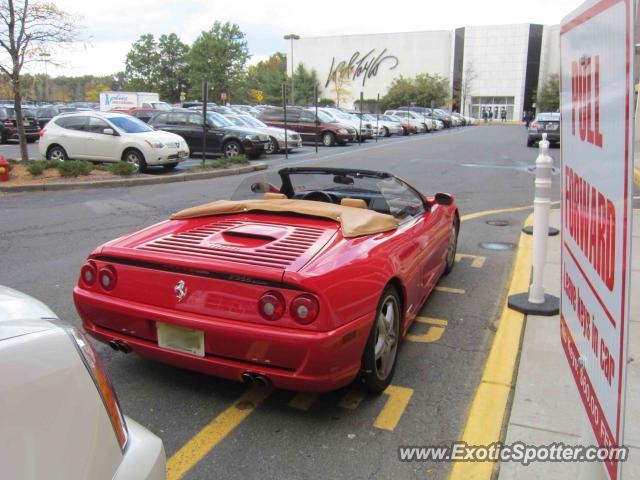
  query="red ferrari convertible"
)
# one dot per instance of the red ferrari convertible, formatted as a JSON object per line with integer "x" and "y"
{"x": 307, "y": 288}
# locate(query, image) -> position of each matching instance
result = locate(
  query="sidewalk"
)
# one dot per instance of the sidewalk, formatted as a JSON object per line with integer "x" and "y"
{"x": 546, "y": 406}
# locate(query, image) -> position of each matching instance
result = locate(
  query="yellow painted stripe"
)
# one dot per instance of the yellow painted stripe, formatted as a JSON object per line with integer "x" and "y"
{"x": 459, "y": 291}
{"x": 432, "y": 335}
{"x": 477, "y": 261}
{"x": 432, "y": 321}
{"x": 352, "y": 399}
{"x": 636, "y": 175}
{"x": 206, "y": 439}
{"x": 303, "y": 401}
{"x": 486, "y": 213}
{"x": 392, "y": 411}
{"x": 489, "y": 405}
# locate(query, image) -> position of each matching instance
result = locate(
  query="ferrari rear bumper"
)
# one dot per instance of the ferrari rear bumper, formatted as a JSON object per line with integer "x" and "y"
{"x": 291, "y": 359}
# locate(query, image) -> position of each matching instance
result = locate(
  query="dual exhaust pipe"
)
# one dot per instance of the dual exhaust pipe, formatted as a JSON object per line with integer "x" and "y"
{"x": 120, "y": 346}
{"x": 251, "y": 379}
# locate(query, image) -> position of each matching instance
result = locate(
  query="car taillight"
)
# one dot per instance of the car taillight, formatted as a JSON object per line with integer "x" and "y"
{"x": 88, "y": 273}
{"x": 271, "y": 305}
{"x": 96, "y": 369}
{"x": 8, "y": 123}
{"x": 533, "y": 125}
{"x": 304, "y": 309}
{"x": 107, "y": 277}
{"x": 41, "y": 132}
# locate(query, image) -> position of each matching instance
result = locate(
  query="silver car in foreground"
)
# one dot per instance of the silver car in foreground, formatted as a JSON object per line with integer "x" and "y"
{"x": 59, "y": 414}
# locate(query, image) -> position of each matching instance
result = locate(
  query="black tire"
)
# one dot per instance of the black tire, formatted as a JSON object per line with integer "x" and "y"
{"x": 232, "y": 148}
{"x": 385, "y": 132}
{"x": 169, "y": 166}
{"x": 136, "y": 158}
{"x": 32, "y": 139}
{"x": 328, "y": 139}
{"x": 375, "y": 373}
{"x": 4, "y": 138}
{"x": 272, "y": 146}
{"x": 529, "y": 142}
{"x": 56, "y": 152}
{"x": 452, "y": 248}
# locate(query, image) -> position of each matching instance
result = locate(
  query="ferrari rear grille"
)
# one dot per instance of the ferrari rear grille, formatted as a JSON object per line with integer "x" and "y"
{"x": 291, "y": 250}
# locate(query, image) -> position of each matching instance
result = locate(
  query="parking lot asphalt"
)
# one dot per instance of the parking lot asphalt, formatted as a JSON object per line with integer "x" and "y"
{"x": 213, "y": 428}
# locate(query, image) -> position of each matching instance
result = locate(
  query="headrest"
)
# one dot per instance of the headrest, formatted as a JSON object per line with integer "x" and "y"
{"x": 274, "y": 196}
{"x": 353, "y": 202}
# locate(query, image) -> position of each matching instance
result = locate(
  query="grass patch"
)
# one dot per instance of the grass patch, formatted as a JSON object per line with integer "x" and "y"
{"x": 223, "y": 162}
{"x": 74, "y": 168}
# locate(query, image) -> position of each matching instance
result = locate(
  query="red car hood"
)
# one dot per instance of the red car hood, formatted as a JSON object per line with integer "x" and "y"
{"x": 252, "y": 244}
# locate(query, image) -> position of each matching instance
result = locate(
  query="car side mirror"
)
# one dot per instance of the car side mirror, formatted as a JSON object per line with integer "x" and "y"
{"x": 108, "y": 131}
{"x": 260, "y": 187}
{"x": 443, "y": 199}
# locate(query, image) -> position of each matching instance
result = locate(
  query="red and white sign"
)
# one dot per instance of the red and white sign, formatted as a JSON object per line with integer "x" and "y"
{"x": 596, "y": 97}
{"x": 223, "y": 96}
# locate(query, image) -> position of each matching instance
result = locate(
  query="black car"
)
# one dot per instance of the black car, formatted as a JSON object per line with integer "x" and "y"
{"x": 222, "y": 136}
{"x": 9, "y": 128}
{"x": 44, "y": 114}
{"x": 548, "y": 123}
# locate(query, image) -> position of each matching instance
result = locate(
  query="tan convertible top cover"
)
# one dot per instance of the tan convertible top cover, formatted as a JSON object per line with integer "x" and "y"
{"x": 354, "y": 221}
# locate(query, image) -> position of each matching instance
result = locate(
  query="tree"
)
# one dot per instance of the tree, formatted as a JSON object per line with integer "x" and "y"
{"x": 268, "y": 76}
{"x": 141, "y": 64}
{"x": 401, "y": 92}
{"x": 173, "y": 68}
{"x": 467, "y": 84}
{"x": 549, "y": 95}
{"x": 422, "y": 90}
{"x": 341, "y": 80}
{"x": 27, "y": 30}
{"x": 92, "y": 92}
{"x": 305, "y": 82}
{"x": 219, "y": 56}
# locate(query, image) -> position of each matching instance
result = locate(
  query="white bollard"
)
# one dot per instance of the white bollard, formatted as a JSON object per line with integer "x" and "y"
{"x": 541, "y": 206}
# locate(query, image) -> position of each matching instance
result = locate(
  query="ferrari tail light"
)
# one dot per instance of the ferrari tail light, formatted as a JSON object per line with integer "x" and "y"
{"x": 96, "y": 369}
{"x": 107, "y": 277}
{"x": 88, "y": 273}
{"x": 271, "y": 305}
{"x": 304, "y": 309}
{"x": 533, "y": 125}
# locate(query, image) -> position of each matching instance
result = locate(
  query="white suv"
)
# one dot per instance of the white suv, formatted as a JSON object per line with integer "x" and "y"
{"x": 110, "y": 137}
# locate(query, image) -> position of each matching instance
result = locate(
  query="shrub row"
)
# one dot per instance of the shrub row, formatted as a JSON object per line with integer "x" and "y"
{"x": 76, "y": 168}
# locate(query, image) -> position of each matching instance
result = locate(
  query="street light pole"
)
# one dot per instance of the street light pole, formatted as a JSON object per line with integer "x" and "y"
{"x": 45, "y": 58}
{"x": 292, "y": 37}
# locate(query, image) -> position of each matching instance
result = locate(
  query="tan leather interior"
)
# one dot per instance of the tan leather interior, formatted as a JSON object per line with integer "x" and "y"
{"x": 274, "y": 196}
{"x": 353, "y": 221}
{"x": 353, "y": 202}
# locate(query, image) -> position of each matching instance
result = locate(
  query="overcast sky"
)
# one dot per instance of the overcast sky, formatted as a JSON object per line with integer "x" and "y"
{"x": 109, "y": 28}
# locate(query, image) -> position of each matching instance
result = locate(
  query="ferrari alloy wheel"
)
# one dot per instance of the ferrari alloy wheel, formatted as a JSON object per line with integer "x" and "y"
{"x": 381, "y": 351}
{"x": 452, "y": 247}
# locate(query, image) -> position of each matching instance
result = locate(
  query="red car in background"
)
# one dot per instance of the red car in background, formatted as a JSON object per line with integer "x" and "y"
{"x": 143, "y": 114}
{"x": 307, "y": 288}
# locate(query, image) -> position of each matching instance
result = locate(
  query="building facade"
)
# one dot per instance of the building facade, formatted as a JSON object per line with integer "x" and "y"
{"x": 488, "y": 67}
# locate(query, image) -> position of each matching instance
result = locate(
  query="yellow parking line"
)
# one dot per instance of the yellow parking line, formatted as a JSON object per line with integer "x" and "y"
{"x": 352, "y": 399}
{"x": 489, "y": 404}
{"x": 303, "y": 401}
{"x": 459, "y": 291}
{"x": 485, "y": 213}
{"x": 477, "y": 261}
{"x": 636, "y": 175}
{"x": 206, "y": 439}
{"x": 434, "y": 333}
{"x": 392, "y": 411}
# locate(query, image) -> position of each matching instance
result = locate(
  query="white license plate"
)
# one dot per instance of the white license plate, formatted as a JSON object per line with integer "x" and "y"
{"x": 26, "y": 123}
{"x": 180, "y": 339}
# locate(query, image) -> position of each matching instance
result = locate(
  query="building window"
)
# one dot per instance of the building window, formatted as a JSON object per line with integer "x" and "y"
{"x": 493, "y": 104}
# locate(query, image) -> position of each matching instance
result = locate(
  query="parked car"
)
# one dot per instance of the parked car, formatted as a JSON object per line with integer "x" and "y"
{"x": 352, "y": 120}
{"x": 111, "y": 137}
{"x": 407, "y": 128}
{"x": 326, "y": 130}
{"x": 60, "y": 416}
{"x": 46, "y": 113}
{"x": 276, "y": 135}
{"x": 223, "y": 137}
{"x": 410, "y": 117}
{"x": 296, "y": 261}
{"x": 384, "y": 128}
{"x": 549, "y": 123}
{"x": 9, "y": 127}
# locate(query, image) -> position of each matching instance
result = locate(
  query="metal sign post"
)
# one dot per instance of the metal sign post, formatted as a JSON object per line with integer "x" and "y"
{"x": 360, "y": 136}
{"x": 317, "y": 123}
{"x": 205, "y": 100}
{"x": 377, "y": 115}
{"x": 596, "y": 105}
{"x": 284, "y": 107}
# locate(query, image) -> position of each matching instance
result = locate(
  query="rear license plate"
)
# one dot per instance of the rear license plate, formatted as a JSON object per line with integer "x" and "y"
{"x": 552, "y": 126}
{"x": 187, "y": 340}
{"x": 26, "y": 123}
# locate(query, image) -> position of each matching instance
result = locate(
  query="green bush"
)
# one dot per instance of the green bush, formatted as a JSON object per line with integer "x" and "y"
{"x": 36, "y": 168}
{"x": 123, "y": 168}
{"x": 74, "y": 168}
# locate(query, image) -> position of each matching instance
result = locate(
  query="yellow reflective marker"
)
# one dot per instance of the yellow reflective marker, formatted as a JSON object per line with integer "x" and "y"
{"x": 303, "y": 401}
{"x": 477, "y": 261}
{"x": 352, "y": 399}
{"x": 206, "y": 439}
{"x": 435, "y": 332}
{"x": 459, "y": 291}
{"x": 392, "y": 411}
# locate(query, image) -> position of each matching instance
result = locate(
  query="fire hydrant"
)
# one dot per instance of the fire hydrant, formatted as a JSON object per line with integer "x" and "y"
{"x": 4, "y": 170}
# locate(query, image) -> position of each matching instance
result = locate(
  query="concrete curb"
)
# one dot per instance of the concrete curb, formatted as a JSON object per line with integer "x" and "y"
{"x": 132, "y": 182}
{"x": 489, "y": 406}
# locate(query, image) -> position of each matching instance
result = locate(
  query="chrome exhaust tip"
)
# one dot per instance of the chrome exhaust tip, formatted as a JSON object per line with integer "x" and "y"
{"x": 114, "y": 345}
{"x": 247, "y": 379}
{"x": 262, "y": 381}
